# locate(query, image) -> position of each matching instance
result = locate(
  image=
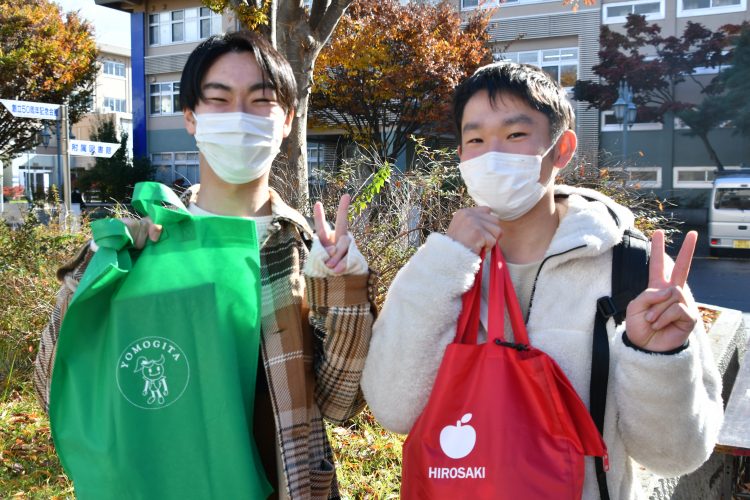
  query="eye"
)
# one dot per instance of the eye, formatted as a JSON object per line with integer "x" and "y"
{"x": 517, "y": 135}
{"x": 474, "y": 140}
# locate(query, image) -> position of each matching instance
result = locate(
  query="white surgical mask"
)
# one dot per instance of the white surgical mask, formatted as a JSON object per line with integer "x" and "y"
{"x": 239, "y": 147}
{"x": 507, "y": 183}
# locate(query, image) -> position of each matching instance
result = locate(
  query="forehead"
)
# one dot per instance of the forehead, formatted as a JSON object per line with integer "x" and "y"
{"x": 503, "y": 106}
{"x": 234, "y": 68}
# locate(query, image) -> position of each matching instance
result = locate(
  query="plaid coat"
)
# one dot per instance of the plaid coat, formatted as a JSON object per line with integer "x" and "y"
{"x": 315, "y": 336}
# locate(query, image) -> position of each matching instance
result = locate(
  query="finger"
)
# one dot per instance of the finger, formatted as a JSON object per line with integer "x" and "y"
{"x": 319, "y": 216}
{"x": 340, "y": 267}
{"x": 684, "y": 259}
{"x": 655, "y": 310}
{"x": 656, "y": 262}
{"x": 678, "y": 315}
{"x": 487, "y": 241}
{"x": 493, "y": 229}
{"x": 342, "y": 248}
{"x": 138, "y": 229}
{"x": 154, "y": 232}
{"x": 648, "y": 298}
{"x": 342, "y": 217}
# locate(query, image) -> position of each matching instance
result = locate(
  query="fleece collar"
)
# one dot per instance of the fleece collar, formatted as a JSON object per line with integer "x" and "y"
{"x": 592, "y": 224}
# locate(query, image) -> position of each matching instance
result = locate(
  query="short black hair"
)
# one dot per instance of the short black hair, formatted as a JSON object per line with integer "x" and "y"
{"x": 274, "y": 66}
{"x": 524, "y": 81}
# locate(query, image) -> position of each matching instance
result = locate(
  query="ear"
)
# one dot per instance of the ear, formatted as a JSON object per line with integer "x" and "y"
{"x": 565, "y": 149}
{"x": 288, "y": 123}
{"x": 459, "y": 152}
{"x": 189, "y": 117}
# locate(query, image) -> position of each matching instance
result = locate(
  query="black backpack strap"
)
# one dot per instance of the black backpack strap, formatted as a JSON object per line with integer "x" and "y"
{"x": 629, "y": 278}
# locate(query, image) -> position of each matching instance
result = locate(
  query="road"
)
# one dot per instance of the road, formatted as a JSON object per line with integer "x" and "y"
{"x": 722, "y": 281}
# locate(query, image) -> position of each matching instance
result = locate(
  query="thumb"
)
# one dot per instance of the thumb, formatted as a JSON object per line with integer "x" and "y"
{"x": 154, "y": 232}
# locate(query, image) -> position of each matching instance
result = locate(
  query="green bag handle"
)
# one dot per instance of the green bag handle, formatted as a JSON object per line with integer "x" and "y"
{"x": 112, "y": 260}
{"x": 149, "y": 198}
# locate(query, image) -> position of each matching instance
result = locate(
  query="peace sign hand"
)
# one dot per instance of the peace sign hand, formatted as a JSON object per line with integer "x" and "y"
{"x": 660, "y": 318}
{"x": 335, "y": 242}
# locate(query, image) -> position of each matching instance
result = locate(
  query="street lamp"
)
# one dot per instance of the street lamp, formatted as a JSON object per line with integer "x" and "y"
{"x": 45, "y": 135}
{"x": 625, "y": 113}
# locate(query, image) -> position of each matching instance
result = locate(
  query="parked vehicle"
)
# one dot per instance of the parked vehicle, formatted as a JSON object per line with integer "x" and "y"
{"x": 729, "y": 211}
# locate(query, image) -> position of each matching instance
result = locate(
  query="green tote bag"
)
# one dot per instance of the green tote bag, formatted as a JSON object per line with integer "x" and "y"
{"x": 152, "y": 390}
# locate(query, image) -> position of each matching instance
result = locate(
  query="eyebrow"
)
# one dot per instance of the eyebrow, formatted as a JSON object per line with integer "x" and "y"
{"x": 513, "y": 120}
{"x": 256, "y": 86}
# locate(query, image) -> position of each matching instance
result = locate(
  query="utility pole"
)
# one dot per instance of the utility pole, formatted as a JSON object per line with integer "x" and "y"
{"x": 66, "y": 157}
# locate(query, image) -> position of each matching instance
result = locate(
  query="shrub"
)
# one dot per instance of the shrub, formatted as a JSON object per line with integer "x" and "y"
{"x": 29, "y": 257}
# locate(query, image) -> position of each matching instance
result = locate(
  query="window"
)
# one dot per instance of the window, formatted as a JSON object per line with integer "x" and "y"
{"x": 560, "y": 64}
{"x": 187, "y": 25}
{"x": 177, "y": 168}
{"x": 687, "y": 8}
{"x": 178, "y": 26}
{"x": 734, "y": 197}
{"x": 639, "y": 177}
{"x": 473, "y": 4}
{"x": 694, "y": 177}
{"x": 165, "y": 98}
{"x": 114, "y": 68}
{"x": 610, "y": 123}
{"x": 618, "y": 12}
{"x": 116, "y": 104}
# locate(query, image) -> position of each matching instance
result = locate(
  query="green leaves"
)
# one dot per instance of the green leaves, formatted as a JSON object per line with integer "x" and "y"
{"x": 372, "y": 188}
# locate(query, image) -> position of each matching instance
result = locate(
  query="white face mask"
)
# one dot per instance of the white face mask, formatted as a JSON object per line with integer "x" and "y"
{"x": 508, "y": 183}
{"x": 239, "y": 147}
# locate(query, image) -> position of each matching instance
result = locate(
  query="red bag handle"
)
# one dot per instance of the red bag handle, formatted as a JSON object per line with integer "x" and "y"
{"x": 502, "y": 295}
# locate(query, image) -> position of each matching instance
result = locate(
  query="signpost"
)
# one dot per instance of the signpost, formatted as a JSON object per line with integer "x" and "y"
{"x": 28, "y": 109}
{"x": 59, "y": 112}
{"x": 92, "y": 148}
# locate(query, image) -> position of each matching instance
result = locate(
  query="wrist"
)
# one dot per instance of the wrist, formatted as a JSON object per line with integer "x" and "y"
{"x": 630, "y": 344}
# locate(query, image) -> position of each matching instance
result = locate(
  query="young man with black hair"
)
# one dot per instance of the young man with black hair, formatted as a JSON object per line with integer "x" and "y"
{"x": 238, "y": 96}
{"x": 516, "y": 131}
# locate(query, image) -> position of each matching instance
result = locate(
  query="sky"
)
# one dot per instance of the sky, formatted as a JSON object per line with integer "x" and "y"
{"x": 111, "y": 26}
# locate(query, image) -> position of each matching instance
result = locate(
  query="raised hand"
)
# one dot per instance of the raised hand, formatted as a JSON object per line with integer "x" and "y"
{"x": 660, "y": 318}
{"x": 335, "y": 242}
{"x": 476, "y": 228}
{"x": 142, "y": 229}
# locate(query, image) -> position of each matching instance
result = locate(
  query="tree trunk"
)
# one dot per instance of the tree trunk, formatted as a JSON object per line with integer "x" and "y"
{"x": 297, "y": 44}
{"x": 299, "y": 37}
{"x": 711, "y": 151}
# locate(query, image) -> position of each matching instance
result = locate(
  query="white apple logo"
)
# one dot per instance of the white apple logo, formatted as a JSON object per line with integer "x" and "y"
{"x": 458, "y": 440}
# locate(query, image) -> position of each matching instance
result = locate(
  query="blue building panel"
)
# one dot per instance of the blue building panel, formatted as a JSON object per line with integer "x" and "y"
{"x": 138, "y": 58}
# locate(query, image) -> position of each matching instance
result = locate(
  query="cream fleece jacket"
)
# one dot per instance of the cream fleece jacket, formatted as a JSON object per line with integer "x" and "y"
{"x": 662, "y": 411}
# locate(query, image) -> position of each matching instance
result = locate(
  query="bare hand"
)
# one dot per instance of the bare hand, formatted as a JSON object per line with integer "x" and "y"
{"x": 335, "y": 242}
{"x": 476, "y": 228}
{"x": 659, "y": 319}
{"x": 140, "y": 229}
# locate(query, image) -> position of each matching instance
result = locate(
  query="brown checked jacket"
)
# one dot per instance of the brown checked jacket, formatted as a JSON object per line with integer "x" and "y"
{"x": 315, "y": 337}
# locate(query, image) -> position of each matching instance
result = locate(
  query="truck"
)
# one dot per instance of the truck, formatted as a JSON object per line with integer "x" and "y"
{"x": 729, "y": 211}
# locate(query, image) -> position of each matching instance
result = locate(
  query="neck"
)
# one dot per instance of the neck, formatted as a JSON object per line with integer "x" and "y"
{"x": 527, "y": 238}
{"x": 236, "y": 200}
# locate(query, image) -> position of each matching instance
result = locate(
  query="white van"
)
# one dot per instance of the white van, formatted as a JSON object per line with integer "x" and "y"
{"x": 729, "y": 211}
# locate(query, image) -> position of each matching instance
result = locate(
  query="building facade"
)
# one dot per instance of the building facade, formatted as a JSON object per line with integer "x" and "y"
{"x": 39, "y": 169}
{"x": 665, "y": 157}
{"x": 662, "y": 157}
{"x": 163, "y": 34}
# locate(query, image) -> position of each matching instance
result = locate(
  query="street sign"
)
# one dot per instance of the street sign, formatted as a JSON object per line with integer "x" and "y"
{"x": 29, "y": 109}
{"x": 91, "y": 148}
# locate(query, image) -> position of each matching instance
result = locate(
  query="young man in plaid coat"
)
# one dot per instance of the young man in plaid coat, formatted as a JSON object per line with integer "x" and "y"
{"x": 317, "y": 308}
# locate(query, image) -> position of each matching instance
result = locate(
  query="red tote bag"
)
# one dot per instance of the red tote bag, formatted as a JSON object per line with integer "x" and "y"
{"x": 502, "y": 421}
